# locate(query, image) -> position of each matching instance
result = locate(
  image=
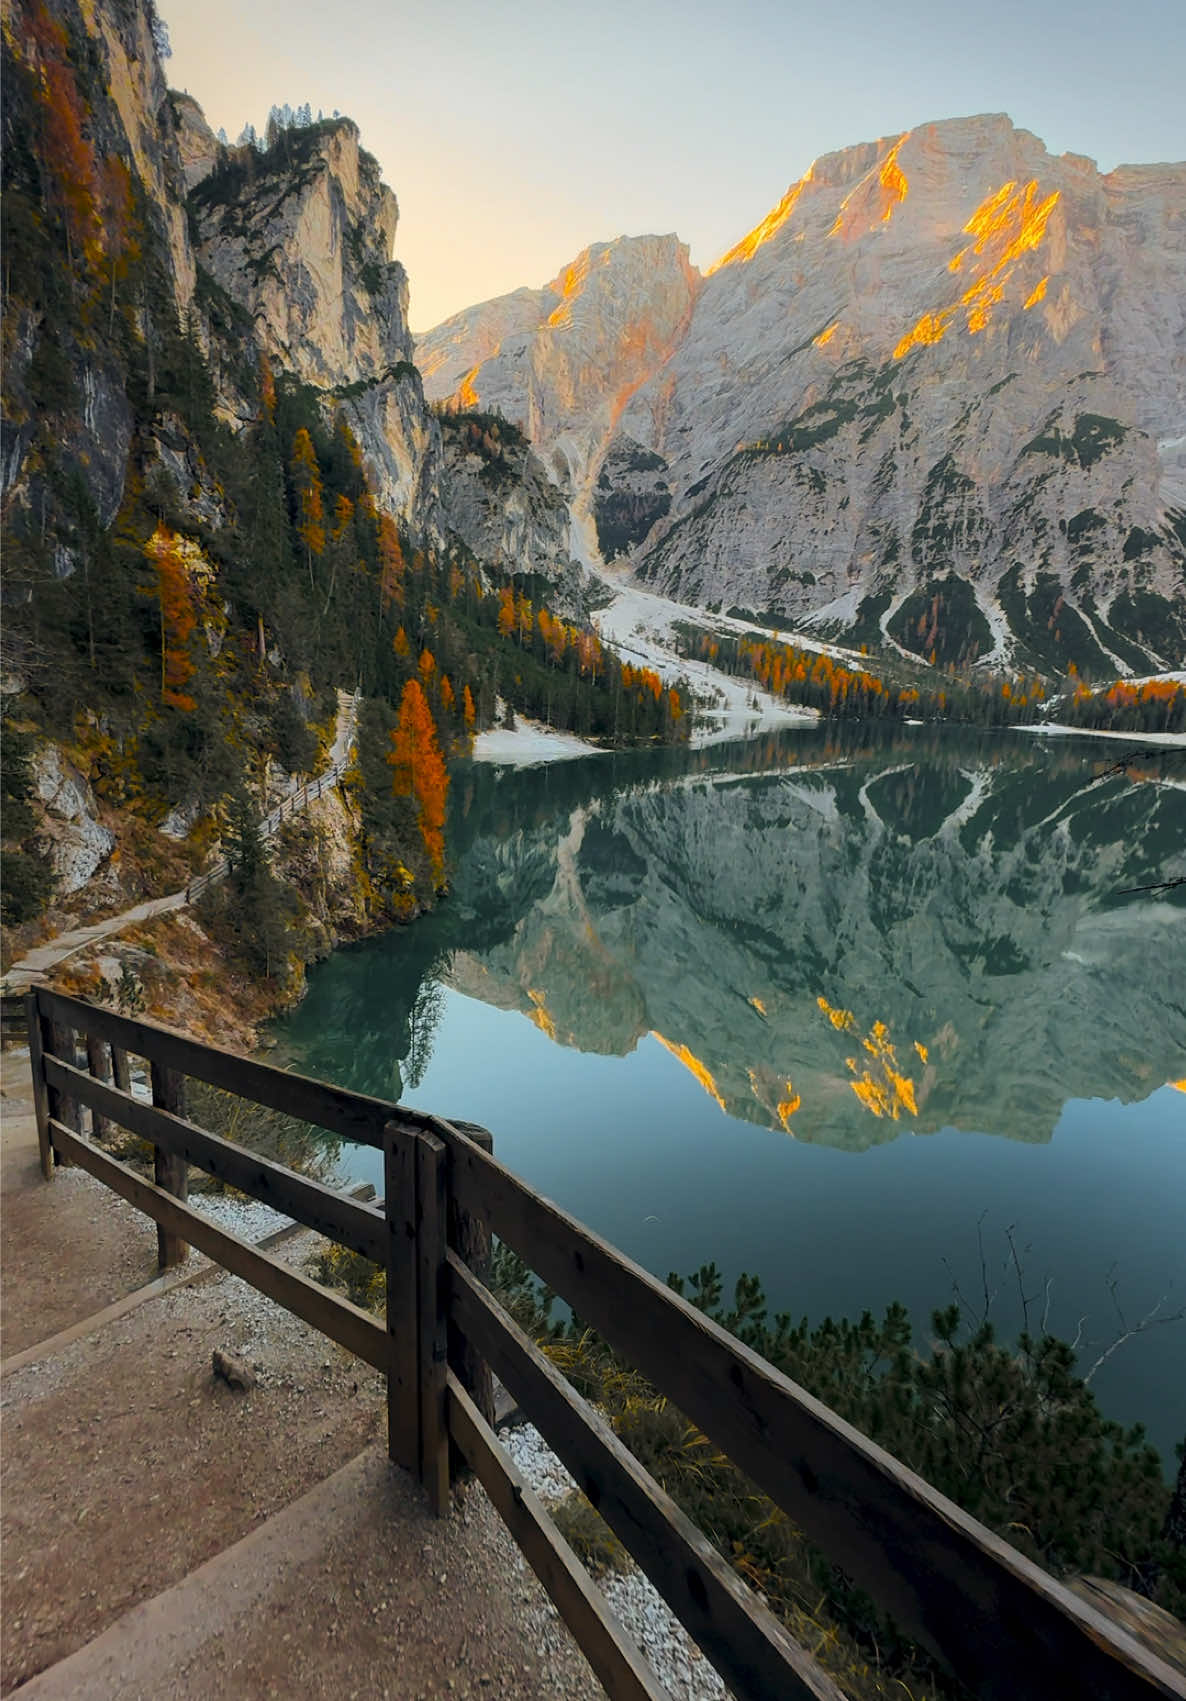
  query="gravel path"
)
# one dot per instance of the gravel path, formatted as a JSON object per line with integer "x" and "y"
{"x": 164, "y": 1537}
{"x": 676, "y": 1659}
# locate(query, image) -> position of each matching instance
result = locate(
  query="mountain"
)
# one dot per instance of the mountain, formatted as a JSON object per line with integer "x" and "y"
{"x": 227, "y": 502}
{"x": 841, "y": 935}
{"x": 563, "y": 362}
{"x": 935, "y": 400}
{"x": 958, "y": 897}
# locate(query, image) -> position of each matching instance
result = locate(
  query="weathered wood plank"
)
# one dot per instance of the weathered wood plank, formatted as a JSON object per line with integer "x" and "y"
{"x": 999, "y": 1620}
{"x": 57, "y": 1040}
{"x": 99, "y": 1065}
{"x": 469, "y": 1236}
{"x": 432, "y": 1333}
{"x": 360, "y": 1227}
{"x": 347, "y": 1324}
{"x": 754, "y": 1653}
{"x": 399, "y": 1204}
{"x": 40, "y": 1086}
{"x": 120, "y": 1069}
{"x": 169, "y": 1169}
{"x": 622, "y": 1670}
{"x": 352, "y": 1115}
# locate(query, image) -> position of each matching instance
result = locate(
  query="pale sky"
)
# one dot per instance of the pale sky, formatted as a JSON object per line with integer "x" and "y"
{"x": 514, "y": 134}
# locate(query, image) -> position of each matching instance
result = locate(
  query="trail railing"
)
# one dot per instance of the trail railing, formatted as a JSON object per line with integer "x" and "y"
{"x": 272, "y": 822}
{"x": 997, "y": 1621}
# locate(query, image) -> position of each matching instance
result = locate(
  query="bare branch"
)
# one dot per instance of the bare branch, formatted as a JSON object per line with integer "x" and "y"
{"x": 1150, "y": 1320}
{"x": 1158, "y": 886}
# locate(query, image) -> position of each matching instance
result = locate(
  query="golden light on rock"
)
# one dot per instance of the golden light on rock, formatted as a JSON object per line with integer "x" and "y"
{"x": 825, "y": 337}
{"x": 467, "y": 396}
{"x": 692, "y": 1064}
{"x": 893, "y": 180}
{"x": 872, "y": 202}
{"x": 1010, "y": 223}
{"x": 881, "y": 1086}
{"x": 1179, "y": 1086}
{"x": 930, "y": 329}
{"x": 842, "y": 1019}
{"x": 758, "y": 1006}
{"x": 540, "y": 1014}
{"x": 770, "y": 226}
{"x": 787, "y": 1107}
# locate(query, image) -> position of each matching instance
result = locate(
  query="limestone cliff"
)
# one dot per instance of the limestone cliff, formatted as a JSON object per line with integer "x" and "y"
{"x": 562, "y": 362}
{"x": 948, "y": 365}
{"x": 301, "y": 238}
{"x": 499, "y": 501}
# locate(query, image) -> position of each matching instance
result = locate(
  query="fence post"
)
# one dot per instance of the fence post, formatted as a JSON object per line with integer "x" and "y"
{"x": 469, "y": 1236}
{"x": 120, "y": 1069}
{"x": 399, "y": 1188}
{"x": 431, "y": 1160}
{"x": 58, "y": 1041}
{"x": 40, "y": 1086}
{"x": 98, "y": 1063}
{"x": 169, "y": 1169}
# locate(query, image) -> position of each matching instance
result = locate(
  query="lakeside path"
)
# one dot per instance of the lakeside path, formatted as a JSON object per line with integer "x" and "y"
{"x": 37, "y": 963}
{"x": 166, "y": 1537}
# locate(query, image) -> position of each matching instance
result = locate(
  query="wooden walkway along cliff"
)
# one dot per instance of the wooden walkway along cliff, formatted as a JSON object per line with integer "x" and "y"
{"x": 1003, "y": 1626}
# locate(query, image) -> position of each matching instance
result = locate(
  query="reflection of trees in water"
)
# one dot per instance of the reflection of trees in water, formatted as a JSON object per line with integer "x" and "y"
{"x": 949, "y": 872}
{"x": 426, "y": 1014}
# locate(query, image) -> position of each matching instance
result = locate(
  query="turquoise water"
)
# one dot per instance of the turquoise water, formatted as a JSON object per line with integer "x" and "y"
{"x": 837, "y": 1011}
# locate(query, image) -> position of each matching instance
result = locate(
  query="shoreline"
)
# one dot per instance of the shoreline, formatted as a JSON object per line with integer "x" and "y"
{"x": 1056, "y": 729}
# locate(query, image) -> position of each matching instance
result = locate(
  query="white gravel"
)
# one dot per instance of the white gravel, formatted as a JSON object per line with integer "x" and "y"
{"x": 247, "y": 1218}
{"x": 677, "y": 1661}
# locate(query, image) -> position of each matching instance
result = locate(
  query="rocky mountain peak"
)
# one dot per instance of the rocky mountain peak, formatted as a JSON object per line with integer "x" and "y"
{"x": 197, "y": 144}
{"x": 945, "y": 354}
{"x": 562, "y": 362}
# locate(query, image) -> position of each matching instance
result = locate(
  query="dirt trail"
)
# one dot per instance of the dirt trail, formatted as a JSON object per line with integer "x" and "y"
{"x": 37, "y": 963}
{"x": 127, "y": 1471}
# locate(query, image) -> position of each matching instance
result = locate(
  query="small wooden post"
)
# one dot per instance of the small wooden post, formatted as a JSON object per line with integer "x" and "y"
{"x": 40, "y": 1086}
{"x": 469, "y": 1236}
{"x": 399, "y": 1185}
{"x": 431, "y": 1159}
{"x": 98, "y": 1062}
{"x": 169, "y": 1170}
{"x": 59, "y": 1042}
{"x": 121, "y": 1069}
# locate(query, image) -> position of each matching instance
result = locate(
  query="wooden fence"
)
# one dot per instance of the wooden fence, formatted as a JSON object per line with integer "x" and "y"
{"x": 990, "y": 1616}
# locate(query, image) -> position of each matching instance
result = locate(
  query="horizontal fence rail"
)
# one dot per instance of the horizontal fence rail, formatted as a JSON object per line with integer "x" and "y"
{"x": 998, "y": 1620}
{"x": 1002, "y": 1625}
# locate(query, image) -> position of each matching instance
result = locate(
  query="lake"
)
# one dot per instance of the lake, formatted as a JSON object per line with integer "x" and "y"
{"x": 844, "y": 1008}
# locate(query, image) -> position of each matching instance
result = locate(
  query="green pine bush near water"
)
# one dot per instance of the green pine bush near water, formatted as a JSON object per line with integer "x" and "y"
{"x": 1010, "y": 1433}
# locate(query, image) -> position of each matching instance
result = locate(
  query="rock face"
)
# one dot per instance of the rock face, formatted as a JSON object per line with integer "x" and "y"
{"x": 562, "y": 362}
{"x": 971, "y": 927}
{"x": 948, "y": 364}
{"x": 80, "y": 844}
{"x": 498, "y": 499}
{"x": 301, "y": 238}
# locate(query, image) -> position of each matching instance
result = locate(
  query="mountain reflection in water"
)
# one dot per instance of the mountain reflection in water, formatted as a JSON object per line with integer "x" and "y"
{"x": 838, "y": 936}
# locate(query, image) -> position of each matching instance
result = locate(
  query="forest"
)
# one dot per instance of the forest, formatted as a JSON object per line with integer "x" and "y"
{"x": 181, "y": 612}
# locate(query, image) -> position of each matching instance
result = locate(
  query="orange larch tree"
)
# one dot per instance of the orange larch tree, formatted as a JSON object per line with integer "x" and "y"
{"x": 418, "y": 770}
{"x": 175, "y": 595}
{"x": 306, "y": 481}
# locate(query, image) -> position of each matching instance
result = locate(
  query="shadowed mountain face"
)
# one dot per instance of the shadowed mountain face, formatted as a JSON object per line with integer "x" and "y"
{"x": 841, "y": 940}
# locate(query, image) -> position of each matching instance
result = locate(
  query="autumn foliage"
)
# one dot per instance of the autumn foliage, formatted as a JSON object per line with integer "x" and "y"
{"x": 175, "y": 594}
{"x": 418, "y": 771}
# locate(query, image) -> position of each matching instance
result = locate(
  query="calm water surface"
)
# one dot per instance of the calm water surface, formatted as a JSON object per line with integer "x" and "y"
{"x": 836, "y": 1009}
